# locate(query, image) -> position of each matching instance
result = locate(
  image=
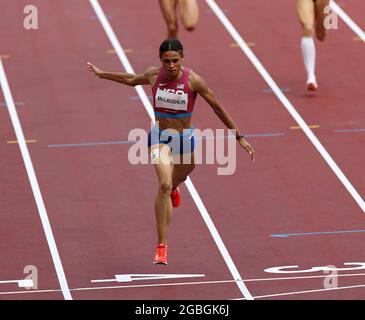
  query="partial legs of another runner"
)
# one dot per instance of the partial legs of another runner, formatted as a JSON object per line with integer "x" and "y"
{"x": 320, "y": 16}
{"x": 189, "y": 12}
{"x": 168, "y": 9}
{"x": 306, "y": 13}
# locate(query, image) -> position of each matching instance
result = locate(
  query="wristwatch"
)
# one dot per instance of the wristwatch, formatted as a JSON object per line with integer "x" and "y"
{"x": 240, "y": 136}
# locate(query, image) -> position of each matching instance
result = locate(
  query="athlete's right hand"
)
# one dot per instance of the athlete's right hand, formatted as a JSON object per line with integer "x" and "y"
{"x": 245, "y": 145}
{"x": 94, "y": 69}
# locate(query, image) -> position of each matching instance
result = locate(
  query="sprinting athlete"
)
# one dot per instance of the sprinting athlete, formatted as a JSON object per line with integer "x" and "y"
{"x": 312, "y": 16}
{"x": 175, "y": 89}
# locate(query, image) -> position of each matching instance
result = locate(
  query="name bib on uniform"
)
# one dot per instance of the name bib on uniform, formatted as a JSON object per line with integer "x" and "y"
{"x": 172, "y": 100}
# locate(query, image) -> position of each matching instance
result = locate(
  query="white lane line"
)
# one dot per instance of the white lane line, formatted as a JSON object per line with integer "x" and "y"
{"x": 125, "y": 62}
{"x": 34, "y": 183}
{"x": 218, "y": 240}
{"x": 29, "y": 291}
{"x": 346, "y": 18}
{"x": 121, "y": 55}
{"x": 286, "y": 103}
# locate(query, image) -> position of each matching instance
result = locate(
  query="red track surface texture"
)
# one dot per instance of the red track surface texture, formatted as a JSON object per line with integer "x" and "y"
{"x": 100, "y": 207}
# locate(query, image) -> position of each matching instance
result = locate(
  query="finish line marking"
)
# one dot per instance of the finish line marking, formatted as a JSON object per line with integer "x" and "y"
{"x": 136, "y": 277}
{"x": 195, "y": 283}
{"x": 303, "y": 292}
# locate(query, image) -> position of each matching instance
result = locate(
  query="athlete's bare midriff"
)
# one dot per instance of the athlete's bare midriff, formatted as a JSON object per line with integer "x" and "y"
{"x": 175, "y": 124}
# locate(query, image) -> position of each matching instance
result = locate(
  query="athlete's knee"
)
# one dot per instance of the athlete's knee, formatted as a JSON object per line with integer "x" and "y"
{"x": 308, "y": 31}
{"x": 165, "y": 187}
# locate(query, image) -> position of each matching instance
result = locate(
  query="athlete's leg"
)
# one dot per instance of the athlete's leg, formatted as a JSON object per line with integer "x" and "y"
{"x": 189, "y": 12}
{"x": 306, "y": 14}
{"x": 320, "y": 16}
{"x": 168, "y": 9}
{"x": 162, "y": 161}
{"x": 181, "y": 170}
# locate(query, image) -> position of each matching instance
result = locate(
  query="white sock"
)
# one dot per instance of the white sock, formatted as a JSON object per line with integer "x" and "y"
{"x": 309, "y": 57}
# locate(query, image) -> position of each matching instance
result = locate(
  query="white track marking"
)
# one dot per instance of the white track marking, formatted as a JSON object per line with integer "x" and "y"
{"x": 306, "y": 291}
{"x": 196, "y": 283}
{"x": 136, "y": 277}
{"x": 21, "y": 283}
{"x": 218, "y": 240}
{"x": 345, "y": 17}
{"x": 34, "y": 183}
{"x": 124, "y": 60}
{"x": 286, "y": 103}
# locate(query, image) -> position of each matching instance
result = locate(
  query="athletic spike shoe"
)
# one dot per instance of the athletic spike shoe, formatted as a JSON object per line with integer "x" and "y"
{"x": 161, "y": 254}
{"x": 175, "y": 198}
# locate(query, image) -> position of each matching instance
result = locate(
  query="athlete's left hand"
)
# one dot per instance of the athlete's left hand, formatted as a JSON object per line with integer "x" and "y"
{"x": 245, "y": 145}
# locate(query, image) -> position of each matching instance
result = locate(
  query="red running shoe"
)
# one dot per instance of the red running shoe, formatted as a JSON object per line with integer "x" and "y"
{"x": 161, "y": 254}
{"x": 175, "y": 198}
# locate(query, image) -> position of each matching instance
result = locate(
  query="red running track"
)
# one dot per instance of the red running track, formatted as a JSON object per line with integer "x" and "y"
{"x": 101, "y": 208}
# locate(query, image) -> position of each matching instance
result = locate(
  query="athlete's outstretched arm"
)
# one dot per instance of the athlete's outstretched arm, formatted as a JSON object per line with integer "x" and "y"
{"x": 124, "y": 78}
{"x": 202, "y": 88}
